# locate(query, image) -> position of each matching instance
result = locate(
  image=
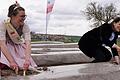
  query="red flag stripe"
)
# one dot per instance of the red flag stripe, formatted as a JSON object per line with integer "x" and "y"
{"x": 49, "y": 8}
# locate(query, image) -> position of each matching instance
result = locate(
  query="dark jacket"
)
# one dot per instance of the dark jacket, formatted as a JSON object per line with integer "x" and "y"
{"x": 99, "y": 36}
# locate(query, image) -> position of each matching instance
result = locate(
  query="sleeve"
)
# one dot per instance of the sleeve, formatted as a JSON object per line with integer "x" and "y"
{"x": 114, "y": 50}
{"x": 105, "y": 32}
{"x": 2, "y": 31}
{"x": 26, "y": 32}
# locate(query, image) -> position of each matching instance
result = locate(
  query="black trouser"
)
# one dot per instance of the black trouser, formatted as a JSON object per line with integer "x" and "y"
{"x": 100, "y": 53}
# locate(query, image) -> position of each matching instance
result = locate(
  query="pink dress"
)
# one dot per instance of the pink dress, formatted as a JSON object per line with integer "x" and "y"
{"x": 16, "y": 50}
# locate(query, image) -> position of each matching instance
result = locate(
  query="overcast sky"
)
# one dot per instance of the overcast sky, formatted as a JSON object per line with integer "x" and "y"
{"x": 65, "y": 19}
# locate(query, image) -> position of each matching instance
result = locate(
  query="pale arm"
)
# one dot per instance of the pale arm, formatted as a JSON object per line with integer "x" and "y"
{"x": 3, "y": 46}
{"x": 7, "y": 54}
{"x": 118, "y": 50}
{"x": 27, "y": 37}
{"x": 27, "y": 50}
{"x": 27, "y": 55}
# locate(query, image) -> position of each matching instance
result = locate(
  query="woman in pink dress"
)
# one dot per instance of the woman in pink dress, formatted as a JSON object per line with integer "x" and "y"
{"x": 15, "y": 40}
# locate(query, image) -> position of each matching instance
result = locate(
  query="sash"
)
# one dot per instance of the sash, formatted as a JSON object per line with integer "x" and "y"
{"x": 14, "y": 36}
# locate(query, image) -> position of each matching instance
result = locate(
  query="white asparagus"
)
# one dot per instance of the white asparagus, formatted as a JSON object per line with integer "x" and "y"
{"x": 16, "y": 70}
{"x": 24, "y": 72}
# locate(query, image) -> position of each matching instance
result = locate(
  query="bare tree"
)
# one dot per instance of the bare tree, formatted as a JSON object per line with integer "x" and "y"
{"x": 100, "y": 14}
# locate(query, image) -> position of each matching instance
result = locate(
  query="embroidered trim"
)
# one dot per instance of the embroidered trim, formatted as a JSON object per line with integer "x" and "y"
{"x": 13, "y": 33}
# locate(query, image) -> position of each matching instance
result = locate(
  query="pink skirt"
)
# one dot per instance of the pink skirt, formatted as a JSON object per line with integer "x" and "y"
{"x": 18, "y": 53}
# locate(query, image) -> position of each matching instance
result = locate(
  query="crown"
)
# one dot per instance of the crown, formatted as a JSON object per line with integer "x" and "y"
{"x": 17, "y": 5}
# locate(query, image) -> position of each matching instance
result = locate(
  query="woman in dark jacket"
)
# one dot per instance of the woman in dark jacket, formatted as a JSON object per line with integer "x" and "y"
{"x": 94, "y": 41}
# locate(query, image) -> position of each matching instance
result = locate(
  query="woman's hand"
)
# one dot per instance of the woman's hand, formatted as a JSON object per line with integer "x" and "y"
{"x": 26, "y": 64}
{"x": 117, "y": 60}
{"x": 118, "y": 50}
{"x": 13, "y": 65}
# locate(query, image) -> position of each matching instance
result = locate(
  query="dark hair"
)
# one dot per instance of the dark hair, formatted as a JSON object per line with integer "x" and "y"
{"x": 13, "y": 10}
{"x": 116, "y": 20}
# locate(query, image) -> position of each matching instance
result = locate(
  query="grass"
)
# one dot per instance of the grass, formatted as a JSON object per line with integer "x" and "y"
{"x": 118, "y": 42}
{"x": 66, "y": 39}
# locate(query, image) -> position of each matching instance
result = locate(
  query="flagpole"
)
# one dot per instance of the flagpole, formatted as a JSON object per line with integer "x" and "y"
{"x": 46, "y": 25}
{"x": 46, "y": 34}
{"x": 50, "y": 4}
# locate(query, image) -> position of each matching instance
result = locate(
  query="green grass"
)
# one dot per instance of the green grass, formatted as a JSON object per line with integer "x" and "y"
{"x": 71, "y": 39}
{"x": 118, "y": 42}
{"x": 66, "y": 39}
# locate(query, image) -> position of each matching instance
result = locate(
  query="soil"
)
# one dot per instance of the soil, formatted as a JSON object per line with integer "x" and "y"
{"x": 10, "y": 72}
